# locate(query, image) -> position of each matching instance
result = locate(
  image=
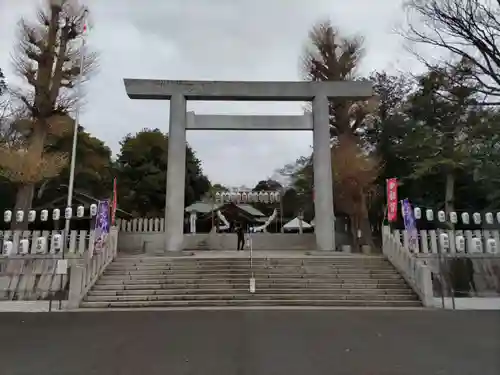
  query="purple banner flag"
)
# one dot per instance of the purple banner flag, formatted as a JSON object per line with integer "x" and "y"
{"x": 101, "y": 225}
{"x": 410, "y": 226}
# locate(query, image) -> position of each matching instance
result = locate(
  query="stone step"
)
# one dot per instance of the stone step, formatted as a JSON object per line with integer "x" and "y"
{"x": 138, "y": 282}
{"x": 230, "y": 277}
{"x": 245, "y": 273}
{"x": 177, "y": 267}
{"x": 244, "y": 289}
{"x": 238, "y": 261}
{"x": 246, "y": 258}
{"x": 235, "y": 274}
{"x": 248, "y": 295}
{"x": 253, "y": 303}
{"x": 321, "y": 268}
{"x": 244, "y": 284}
{"x": 285, "y": 284}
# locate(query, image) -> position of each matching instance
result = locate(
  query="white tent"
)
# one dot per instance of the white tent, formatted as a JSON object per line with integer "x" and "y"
{"x": 295, "y": 224}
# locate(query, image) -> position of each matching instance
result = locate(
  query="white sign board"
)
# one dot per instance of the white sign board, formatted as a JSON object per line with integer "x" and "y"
{"x": 62, "y": 267}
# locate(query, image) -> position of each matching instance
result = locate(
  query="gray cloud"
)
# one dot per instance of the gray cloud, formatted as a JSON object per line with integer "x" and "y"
{"x": 216, "y": 40}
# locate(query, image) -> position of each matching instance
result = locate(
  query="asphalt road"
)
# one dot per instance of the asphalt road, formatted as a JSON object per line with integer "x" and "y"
{"x": 246, "y": 342}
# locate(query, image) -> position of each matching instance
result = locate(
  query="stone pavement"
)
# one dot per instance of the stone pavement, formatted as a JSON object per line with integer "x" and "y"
{"x": 279, "y": 342}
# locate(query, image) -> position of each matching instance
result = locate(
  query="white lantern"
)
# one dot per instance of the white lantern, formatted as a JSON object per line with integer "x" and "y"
{"x": 265, "y": 196}
{"x": 19, "y": 216}
{"x": 253, "y": 197}
{"x": 24, "y": 245}
{"x": 417, "y": 212}
{"x": 444, "y": 241}
{"x": 498, "y": 217}
{"x": 477, "y": 246}
{"x": 7, "y": 216}
{"x": 460, "y": 243}
{"x": 56, "y": 242}
{"x": 68, "y": 213}
{"x": 244, "y": 197}
{"x": 441, "y": 216}
{"x": 32, "y": 216}
{"x": 44, "y": 215}
{"x": 476, "y": 216}
{"x": 218, "y": 197}
{"x": 429, "y": 214}
{"x": 261, "y": 196}
{"x": 41, "y": 245}
{"x": 93, "y": 209}
{"x": 465, "y": 217}
{"x": 277, "y": 196}
{"x": 272, "y": 197}
{"x": 226, "y": 197}
{"x": 489, "y": 218}
{"x": 453, "y": 217}
{"x": 8, "y": 248}
{"x": 56, "y": 214}
{"x": 80, "y": 211}
{"x": 491, "y": 246}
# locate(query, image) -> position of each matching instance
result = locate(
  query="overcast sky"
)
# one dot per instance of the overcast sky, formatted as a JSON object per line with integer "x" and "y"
{"x": 247, "y": 40}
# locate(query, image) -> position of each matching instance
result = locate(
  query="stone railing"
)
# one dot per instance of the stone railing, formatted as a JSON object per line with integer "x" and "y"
{"x": 414, "y": 271}
{"x": 85, "y": 273}
{"x": 77, "y": 243}
{"x": 477, "y": 241}
{"x": 142, "y": 225}
{"x": 35, "y": 269}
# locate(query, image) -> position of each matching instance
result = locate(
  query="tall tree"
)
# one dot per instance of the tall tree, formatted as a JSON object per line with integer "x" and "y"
{"x": 447, "y": 122}
{"x": 93, "y": 170}
{"x": 219, "y": 187}
{"x": 469, "y": 29}
{"x": 354, "y": 175}
{"x": 48, "y": 57}
{"x": 486, "y": 154}
{"x": 330, "y": 57}
{"x": 299, "y": 195}
{"x": 389, "y": 129}
{"x": 141, "y": 170}
{"x": 3, "y": 85}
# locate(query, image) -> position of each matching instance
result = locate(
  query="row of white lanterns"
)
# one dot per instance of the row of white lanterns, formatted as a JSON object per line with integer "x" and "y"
{"x": 44, "y": 214}
{"x": 441, "y": 216}
{"x": 476, "y": 244}
{"x": 40, "y": 246}
{"x": 248, "y": 197}
{"x": 41, "y": 242}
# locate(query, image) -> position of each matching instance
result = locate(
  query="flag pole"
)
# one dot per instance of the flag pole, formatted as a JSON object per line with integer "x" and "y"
{"x": 71, "y": 183}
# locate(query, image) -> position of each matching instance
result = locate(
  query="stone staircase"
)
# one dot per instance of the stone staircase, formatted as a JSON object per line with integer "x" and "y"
{"x": 349, "y": 281}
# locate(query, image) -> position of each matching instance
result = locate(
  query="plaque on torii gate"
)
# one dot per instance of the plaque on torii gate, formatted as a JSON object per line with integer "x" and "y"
{"x": 178, "y": 92}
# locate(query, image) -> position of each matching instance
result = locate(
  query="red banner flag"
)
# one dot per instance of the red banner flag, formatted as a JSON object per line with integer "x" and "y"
{"x": 113, "y": 207}
{"x": 392, "y": 199}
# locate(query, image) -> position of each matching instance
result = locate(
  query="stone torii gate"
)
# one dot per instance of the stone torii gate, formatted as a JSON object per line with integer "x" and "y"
{"x": 178, "y": 92}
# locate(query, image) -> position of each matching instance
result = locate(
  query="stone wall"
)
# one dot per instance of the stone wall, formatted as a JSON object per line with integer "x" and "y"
{"x": 469, "y": 275}
{"x": 30, "y": 278}
{"x": 153, "y": 242}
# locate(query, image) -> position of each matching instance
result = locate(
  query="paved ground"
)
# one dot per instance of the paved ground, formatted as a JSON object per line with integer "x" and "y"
{"x": 243, "y": 342}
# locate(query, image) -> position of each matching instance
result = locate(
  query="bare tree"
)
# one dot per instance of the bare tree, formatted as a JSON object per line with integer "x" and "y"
{"x": 3, "y": 85}
{"x": 469, "y": 29}
{"x": 330, "y": 57}
{"x": 48, "y": 56}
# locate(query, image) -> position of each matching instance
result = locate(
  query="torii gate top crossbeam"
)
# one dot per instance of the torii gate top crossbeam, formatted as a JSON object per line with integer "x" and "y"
{"x": 250, "y": 91}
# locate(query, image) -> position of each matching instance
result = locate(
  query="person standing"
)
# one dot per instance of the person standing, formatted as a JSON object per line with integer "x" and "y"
{"x": 241, "y": 236}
